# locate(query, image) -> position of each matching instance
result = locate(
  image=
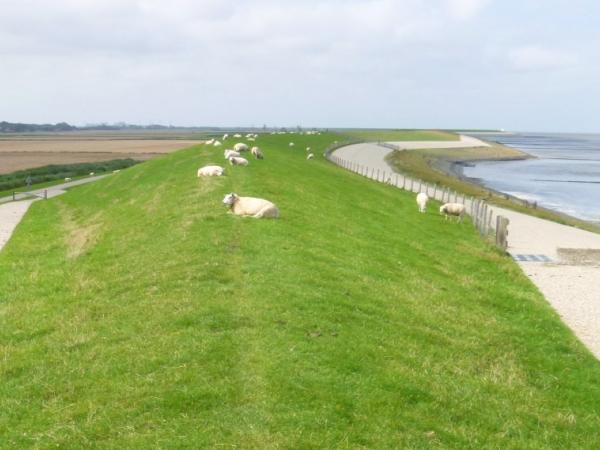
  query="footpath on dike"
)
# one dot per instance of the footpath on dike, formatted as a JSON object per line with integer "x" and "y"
{"x": 562, "y": 261}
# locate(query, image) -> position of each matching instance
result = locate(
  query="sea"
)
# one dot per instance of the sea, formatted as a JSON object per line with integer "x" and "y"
{"x": 564, "y": 176}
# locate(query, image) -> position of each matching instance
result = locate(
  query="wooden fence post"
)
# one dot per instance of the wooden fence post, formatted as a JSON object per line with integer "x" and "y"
{"x": 502, "y": 232}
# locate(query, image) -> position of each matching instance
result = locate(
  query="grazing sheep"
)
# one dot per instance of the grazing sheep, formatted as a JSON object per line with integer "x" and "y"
{"x": 257, "y": 153}
{"x": 291, "y": 144}
{"x": 453, "y": 209}
{"x": 238, "y": 161}
{"x": 229, "y": 153}
{"x": 210, "y": 142}
{"x": 422, "y": 200}
{"x": 210, "y": 171}
{"x": 310, "y": 156}
{"x": 250, "y": 206}
{"x": 249, "y": 135}
{"x": 225, "y": 136}
{"x": 240, "y": 147}
{"x": 68, "y": 179}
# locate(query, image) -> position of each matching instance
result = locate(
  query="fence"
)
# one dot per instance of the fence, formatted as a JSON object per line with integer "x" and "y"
{"x": 479, "y": 210}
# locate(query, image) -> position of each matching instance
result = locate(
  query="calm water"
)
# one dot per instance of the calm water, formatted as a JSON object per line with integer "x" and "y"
{"x": 565, "y": 177}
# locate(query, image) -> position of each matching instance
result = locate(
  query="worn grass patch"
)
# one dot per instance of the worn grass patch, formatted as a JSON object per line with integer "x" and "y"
{"x": 353, "y": 321}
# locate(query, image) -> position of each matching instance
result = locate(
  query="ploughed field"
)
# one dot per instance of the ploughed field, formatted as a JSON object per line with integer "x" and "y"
{"x": 136, "y": 313}
{"x": 25, "y": 153}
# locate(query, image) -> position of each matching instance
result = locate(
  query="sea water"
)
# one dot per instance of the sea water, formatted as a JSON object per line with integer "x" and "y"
{"x": 565, "y": 176}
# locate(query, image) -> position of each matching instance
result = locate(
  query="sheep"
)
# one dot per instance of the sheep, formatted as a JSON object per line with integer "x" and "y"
{"x": 310, "y": 156}
{"x": 308, "y": 149}
{"x": 225, "y": 136}
{"x": 229, "y": 153}
{"x": 237, "y": 135}
{"x": 240, "y": 147}
{"x": 251, "y": 139}
{"x": 217, "y": 144}
{"x": 257, "y": 153}
{"x": 210, "y": 142}
{"x": 92, "y": 174}
{"x": 238, "y": 161}
{"x": 210, "y": 171}
{"x": 291, "y": 144}
{"x": 116, "y": 170}
{"x": 453, "y": 209}
{"x": 68, "y": 179}
{"x": 250, "y": 206}
{"x": 249, "y": 135}
{"x": 422, "y": 200}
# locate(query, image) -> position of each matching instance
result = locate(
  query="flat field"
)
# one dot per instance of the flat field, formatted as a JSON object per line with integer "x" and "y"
{"x": 21, "y": 153}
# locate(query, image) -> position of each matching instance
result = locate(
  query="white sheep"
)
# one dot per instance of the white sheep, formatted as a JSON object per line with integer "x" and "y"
{"x": 210, "y": 171}
{"x": 210, "y": 142}
{"x": 229, "y": 153}
{"x": 217, "y": 144}
{"x": 92, "y": 174}
{"x": 116, "y": 170}
{"x": 310, "y": 156}
{"x": 238, "y": 161}
{"x": 237, "y": 135}
{"x": 422, "y": 200}
{"x": 251, "y": 139}
{"x": 453, "y": 209}
{"x": 308, "y": 149}
{"x": 291, "y": 144}
{"x": 249, "y": 135}
{"x": 225, "y": 136}
{"x": 257, "y": 153}
{"x": 250, "y": 206}
{"x": 68, "y": 179}
{"x": 240, "y": 147}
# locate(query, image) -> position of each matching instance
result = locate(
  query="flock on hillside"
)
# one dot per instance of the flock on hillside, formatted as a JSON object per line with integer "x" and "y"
{"x": 261, "y": 208}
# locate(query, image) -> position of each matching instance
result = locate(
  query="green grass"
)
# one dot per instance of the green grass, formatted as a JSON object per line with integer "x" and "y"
{"x": 400, "y": 135}
{"x": 426, "y": 165}
{"x": 136, "y": 313}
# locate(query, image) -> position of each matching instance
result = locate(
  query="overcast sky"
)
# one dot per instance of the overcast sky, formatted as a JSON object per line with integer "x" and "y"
{"x": 515, "y": 64}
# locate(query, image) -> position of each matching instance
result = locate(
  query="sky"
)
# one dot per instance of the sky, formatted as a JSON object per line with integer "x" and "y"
{"x": 522, "y": 65}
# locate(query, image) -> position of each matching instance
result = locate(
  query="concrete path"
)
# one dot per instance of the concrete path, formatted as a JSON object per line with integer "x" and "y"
{"x": 569, "y": 279}
{"x": 11, "y": 212}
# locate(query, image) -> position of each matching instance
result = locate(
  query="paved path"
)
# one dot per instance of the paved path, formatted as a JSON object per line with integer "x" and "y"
{"x": 11, "y": 212}
{"x": 571, "y": 287}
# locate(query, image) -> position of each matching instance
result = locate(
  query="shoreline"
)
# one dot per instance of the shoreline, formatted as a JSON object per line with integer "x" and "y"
{"x": 455, "y": 169}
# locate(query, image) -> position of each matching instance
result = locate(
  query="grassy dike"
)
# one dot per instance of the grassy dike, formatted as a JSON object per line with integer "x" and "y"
{"x": 136, "y": 313}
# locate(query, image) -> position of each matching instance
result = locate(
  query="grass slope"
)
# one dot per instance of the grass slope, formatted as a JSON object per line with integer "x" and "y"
{"x": 136, "y": 313}
{"x": 400, "y": 135}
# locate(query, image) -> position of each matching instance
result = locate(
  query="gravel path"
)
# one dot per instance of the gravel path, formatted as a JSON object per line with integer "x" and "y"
{"x": 570, "y": 284}
{"x": 11, "y": 212}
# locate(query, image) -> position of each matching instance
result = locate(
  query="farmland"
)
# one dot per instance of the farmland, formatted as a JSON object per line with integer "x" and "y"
{"x": 27, "y": 151}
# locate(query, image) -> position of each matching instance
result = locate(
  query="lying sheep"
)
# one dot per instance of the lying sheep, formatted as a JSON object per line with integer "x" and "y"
{"x": 210, "y": 142}
{"x": 68, "y": 179}
{"x": 210, "y": 171}
{"x": 250, "y": 206}
{"x": 240, "y": 147}
{"x": 310, "y": 156}
{"x": 291, "y": 144}
{"x": 92, "y": 174}
{"x": 251, "y": 139}
{"x": 217, "y": 144}
{"x": 257, "y": 153}
{"x": 237, "y": 135}
{"x": 229, "y": 153}
{"x": 116, "y": 170}
{"x": 453, "y": 209}
{"x": 238, "y": 161}
{"x": 422, "y": 200}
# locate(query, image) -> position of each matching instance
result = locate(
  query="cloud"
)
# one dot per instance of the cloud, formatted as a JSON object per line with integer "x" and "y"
{"x": 465, "y": 9}
{"x": 534, "y": 58}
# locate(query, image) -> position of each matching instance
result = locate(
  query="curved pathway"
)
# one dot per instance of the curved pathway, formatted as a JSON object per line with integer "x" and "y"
{"x": 11, "y": 212}
{"x": 567, "y": 278}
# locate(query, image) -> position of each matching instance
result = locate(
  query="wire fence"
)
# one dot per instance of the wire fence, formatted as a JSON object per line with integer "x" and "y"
{"x": 479, "y": 210}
